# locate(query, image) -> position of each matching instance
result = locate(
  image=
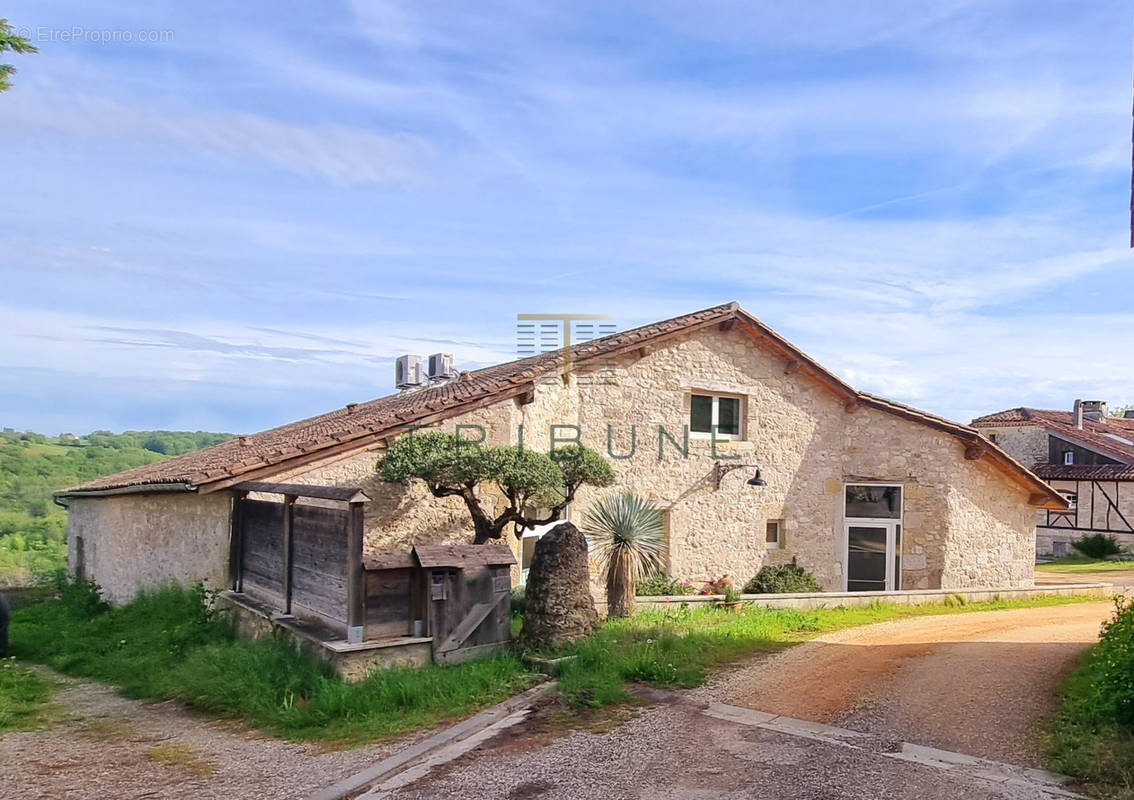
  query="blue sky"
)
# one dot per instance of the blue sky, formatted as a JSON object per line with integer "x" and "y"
{"x": 243, "y": 223}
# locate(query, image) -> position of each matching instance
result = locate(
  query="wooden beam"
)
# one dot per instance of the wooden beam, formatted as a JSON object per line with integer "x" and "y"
{"x": 287, "y": 550}
{"x": 346, "y": 494}
{"x": 975, "y": 451}
{"x": 355, "y": 578}
{"x": 728, "y": 324}
{"x": 851, "y": 406}
{"x": 792, "y": 366}
{"x": 527, "y": 398}
{"x": 236, "y": 544}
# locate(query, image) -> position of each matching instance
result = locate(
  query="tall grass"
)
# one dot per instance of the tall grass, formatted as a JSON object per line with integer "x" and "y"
{"x": 167, "y": 644}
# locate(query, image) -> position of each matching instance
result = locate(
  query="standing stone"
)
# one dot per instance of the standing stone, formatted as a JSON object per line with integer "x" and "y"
{"x": 558, "y": 605}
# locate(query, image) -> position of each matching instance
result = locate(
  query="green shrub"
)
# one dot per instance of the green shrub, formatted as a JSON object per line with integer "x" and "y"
{"x": 659, "y": 585}
{"x": 1092, "y": 735}
{"x": 782, "y": 579}
{"x": 1097, "y": 545}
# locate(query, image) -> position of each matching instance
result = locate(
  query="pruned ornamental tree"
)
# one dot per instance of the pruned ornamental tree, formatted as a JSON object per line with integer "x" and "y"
{"x": 536, "y": 486}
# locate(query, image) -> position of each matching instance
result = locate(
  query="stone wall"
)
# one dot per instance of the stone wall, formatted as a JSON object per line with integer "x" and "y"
{"x": 965, "y": 523}
{"x": 1025, "y": 443}
{"x": 143, "y": 540}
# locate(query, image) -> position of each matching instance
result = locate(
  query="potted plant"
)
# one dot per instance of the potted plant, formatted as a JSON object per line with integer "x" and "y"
{"x": 731, "y": 599}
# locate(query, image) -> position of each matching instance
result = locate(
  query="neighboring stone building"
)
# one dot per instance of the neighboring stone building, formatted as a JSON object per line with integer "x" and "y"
{"x": 866, "y": 493}
{"x": 1086, "y": 455}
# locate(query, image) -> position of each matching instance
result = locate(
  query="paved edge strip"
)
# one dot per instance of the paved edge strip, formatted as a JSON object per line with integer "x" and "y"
{"x": 352, "y": 784}
{"x": 444, "y": 755}
{"x": 1049, "y": 783}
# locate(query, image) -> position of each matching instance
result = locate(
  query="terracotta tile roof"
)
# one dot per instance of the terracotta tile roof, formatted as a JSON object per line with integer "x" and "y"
{"x": 369, "y": 420}
{"x": 362, "y": 424}
{"x": 1098, "y": 435}
{"x": 1085, "y": 472}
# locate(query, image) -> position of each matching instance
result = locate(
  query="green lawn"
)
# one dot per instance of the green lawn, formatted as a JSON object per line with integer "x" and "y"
{"x": 25, "y": 698}
{"x": 1073, "y": 564}
{"x": 166, "y": 645}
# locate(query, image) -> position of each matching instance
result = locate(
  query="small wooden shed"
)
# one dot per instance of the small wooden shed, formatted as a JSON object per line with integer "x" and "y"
{"x": 457, "y": 594}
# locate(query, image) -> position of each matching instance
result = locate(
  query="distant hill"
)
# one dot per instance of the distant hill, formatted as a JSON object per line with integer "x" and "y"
{"x": 32, "y": 466}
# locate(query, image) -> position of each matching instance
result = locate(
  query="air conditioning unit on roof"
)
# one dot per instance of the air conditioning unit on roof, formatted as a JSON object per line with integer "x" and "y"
{"x": 441, "y": 367}
{"x": 407, "y": 372}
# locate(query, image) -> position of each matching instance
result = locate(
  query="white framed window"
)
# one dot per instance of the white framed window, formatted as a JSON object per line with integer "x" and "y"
{"x": 1072, "y": 499}
{"x": 715, "y": 412}
{"x": 773, "y": 534}
{"x": 1068, "y": 457}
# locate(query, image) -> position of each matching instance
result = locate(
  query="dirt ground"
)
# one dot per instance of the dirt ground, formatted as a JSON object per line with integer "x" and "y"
{"x": 106, "y": 746}
{"x": 982, "y": 684}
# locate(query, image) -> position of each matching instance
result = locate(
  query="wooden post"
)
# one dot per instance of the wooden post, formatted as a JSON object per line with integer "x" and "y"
{"x": 236, "y": 544}
{"x": 288, "y": 508}
{"x": 355, "y": 579}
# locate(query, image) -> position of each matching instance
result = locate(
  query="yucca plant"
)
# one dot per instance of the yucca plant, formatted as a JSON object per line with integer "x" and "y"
{"x": 626, "y": 537}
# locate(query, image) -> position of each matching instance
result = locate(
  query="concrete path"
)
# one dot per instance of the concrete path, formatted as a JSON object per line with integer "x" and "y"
{"x": 978, "y": 684}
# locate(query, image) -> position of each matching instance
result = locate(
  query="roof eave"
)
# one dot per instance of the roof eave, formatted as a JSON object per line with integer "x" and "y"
{"x": 138, "y": 488}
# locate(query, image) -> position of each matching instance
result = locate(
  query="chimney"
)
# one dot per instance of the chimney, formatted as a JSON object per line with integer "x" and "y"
{"x": 1077, "y": 414}
{"x": 1094, "y": 410}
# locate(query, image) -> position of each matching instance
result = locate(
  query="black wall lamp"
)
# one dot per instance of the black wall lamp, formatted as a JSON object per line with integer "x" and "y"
{"x": 720, "y": 470}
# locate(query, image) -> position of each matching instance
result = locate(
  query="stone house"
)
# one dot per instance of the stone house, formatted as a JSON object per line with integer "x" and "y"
{"x": 1086, "y": 455}
{"x": 866, "y": 493}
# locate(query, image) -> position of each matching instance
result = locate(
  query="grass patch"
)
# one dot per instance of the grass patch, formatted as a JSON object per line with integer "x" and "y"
{"x": 180, "y": 754}
{"x": 1073, "y": 564}
{"x": 678, "y": 648}
{"x": 25, "y": 698}
{"x": 167, "y": 645}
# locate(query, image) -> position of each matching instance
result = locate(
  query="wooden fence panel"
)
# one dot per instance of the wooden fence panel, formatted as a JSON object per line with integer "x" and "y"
{"x": 262, "y": 556}
{"x": 319, "y": 561}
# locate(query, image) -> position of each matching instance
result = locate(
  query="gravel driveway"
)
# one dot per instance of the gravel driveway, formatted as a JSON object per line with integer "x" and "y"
{"x": 976, "y": 683}
{"x": 982, "y": 683}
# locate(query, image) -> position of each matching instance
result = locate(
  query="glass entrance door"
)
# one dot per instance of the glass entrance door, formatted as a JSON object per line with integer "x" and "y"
{"x": 869, "y": 562}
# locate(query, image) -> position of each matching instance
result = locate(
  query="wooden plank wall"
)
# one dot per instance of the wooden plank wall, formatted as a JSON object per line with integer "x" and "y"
{"x": 262, "y": 557}
{"x": 389, "y": 602}
{"x": 319, "y": 561}
{"x": 319, "y": 558}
